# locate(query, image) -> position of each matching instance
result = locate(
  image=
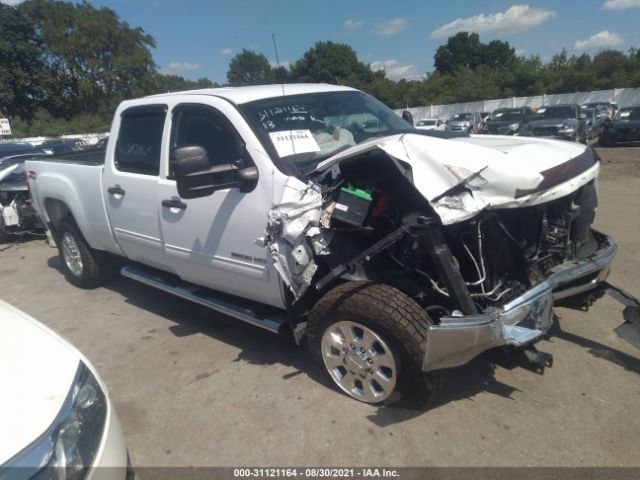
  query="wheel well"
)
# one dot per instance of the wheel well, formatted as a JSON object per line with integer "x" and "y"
{"x": 57, "y": 210}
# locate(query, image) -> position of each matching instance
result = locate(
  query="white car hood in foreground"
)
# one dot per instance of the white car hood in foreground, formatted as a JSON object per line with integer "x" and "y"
{"x": 500, "y": 172}
{"x": 37, "y": 369}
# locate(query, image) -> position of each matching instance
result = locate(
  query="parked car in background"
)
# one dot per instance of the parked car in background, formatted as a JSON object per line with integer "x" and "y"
{"x": 615, "y": 108}
{"x": 56, "y": 418}
{"x": 430, "y": 124}
{"x": 483, "y": 118}
{"x": 595, "y": 122}
{"x": 565, "y": 122}
{"x": 624, "y": 127}
{"x": 62, "y": 146}
{"x": 464, "y": 122}
{"x": 16, "y": 211}
{"x": 101, "y": 144}
{"x": 17, "y": 148}
{"x": 506, "y": 121}
{"x": 606, "y": 109}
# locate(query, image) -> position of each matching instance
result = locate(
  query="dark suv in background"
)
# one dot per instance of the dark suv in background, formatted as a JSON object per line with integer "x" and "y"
{"x": 506, "y": 121}
{"x": 565, "y": 122}
{"x": 624, "y": 127}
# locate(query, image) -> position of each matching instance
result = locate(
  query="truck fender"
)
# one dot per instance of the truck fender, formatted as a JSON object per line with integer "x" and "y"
{"x": 60, "y": 200}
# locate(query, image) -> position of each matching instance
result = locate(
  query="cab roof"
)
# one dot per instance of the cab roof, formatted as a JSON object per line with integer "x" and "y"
{"x": 240, "y": 95}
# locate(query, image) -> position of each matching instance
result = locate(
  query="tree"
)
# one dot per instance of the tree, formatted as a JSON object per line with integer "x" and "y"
{"x": 461, "y": 50}
{"x": 525, "y": 78}
{"x": 465, "y": 50}
{"x": 470, "y": 85}
{"x": 330, "y": 62}
{"x": 176, "y": 83}
{"x": 249, "y": 68}
{"x": 98, "y": 59}
{"x": 22, "y": 71}
{"x": 612, "y": 69}
{"x": 281, "y": 75}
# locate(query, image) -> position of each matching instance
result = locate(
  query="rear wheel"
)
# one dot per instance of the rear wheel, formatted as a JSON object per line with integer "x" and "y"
{"x": 370, "y": 338}
{"x": 85, "y": 267}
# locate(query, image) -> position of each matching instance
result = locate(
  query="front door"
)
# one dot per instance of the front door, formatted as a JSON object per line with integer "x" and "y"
{"x": 210, "y": 240}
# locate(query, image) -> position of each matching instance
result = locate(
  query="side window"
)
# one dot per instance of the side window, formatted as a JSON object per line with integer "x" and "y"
{"x": 209, "y": 129}
{"x": 139, "y": 140}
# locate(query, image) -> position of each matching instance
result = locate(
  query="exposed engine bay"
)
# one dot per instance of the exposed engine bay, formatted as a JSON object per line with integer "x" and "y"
{"x": 364, "y": 219}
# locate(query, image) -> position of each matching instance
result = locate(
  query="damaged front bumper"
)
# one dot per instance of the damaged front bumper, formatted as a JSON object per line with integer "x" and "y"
{"x": 457, "y": 340}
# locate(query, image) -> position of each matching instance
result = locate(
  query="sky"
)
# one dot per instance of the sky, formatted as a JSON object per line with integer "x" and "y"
{"x": 197, "y": 38}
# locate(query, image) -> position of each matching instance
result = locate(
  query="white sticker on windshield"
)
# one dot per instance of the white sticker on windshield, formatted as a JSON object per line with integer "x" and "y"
{"x": 290, "y": 142}
{"x": 498, "y": 115}
{"x": 542, "y": 110}
{"x": 624, "y": 114}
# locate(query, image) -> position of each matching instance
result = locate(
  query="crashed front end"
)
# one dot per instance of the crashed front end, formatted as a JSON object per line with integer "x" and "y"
{"x": 482, "y": 239}
{"x": 457, "y": 340}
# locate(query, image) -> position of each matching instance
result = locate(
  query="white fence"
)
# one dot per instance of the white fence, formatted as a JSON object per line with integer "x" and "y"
{"x": 622, "y": 96}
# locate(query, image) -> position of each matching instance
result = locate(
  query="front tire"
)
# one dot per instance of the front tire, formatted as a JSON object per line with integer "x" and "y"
{"x": 371, "y": 339}
{"x": 84, "y": 266}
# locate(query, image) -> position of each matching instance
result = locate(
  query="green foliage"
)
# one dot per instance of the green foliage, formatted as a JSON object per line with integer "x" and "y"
{"x": 464, "y": 50}
{"x": 249, "y": 68}
{"x": 22, "y": 73}
{"x": 44, "y": 124}
{"x": 175, "y": 83}
{"x": 96, "y": 59}
{"x": 64, "y": 67}
{"x": 330, "y": 62}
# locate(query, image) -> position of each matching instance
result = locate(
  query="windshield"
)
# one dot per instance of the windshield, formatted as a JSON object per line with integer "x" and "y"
{"x": 555, "y": 112}
{"x": 425, "y": 123}
{"x": 627, "y": 114}
{"x": 306, "y": 129}
{"x": 463, "y": 116}
{"x": 506, "y": 116}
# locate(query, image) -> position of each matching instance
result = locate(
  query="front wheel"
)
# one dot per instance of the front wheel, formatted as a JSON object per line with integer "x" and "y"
{"x": 371, "y": 338}
{"x": 85, "y": 267}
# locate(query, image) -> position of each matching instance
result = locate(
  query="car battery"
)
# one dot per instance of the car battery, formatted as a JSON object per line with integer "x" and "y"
{"x": 352, "y": 206}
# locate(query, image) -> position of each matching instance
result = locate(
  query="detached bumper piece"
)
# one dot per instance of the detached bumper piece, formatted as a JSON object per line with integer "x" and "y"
{"x": 457, "y": 340}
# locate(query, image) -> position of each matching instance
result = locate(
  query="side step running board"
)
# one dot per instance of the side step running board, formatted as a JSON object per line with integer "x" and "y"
{"x": 266, "y": 317}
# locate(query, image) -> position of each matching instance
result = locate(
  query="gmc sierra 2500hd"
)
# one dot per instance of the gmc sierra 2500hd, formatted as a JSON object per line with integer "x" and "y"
{"x": 396, "y": 252}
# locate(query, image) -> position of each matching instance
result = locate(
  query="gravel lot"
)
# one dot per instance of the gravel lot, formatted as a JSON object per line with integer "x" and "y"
{"x": 192, "y": 387}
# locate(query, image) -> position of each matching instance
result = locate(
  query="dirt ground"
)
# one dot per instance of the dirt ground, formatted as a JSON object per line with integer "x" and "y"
{"x": 192, "y": 387}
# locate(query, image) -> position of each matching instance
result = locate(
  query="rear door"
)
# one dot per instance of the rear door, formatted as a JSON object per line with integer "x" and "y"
{"x": 131, "y": 182}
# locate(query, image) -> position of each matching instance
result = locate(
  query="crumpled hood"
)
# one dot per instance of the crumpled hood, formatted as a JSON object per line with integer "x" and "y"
{"x": 498, "y": 172}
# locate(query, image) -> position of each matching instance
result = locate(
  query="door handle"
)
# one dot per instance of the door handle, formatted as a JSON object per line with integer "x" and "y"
{"x": 116, "y": 190}
{"x": 174, "y": 203}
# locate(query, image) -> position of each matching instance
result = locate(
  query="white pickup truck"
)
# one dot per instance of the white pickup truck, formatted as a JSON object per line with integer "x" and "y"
{"x": 397, "y": 253}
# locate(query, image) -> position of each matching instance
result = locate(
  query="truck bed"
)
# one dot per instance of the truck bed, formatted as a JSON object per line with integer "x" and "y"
{"x": 86, "y": 157}
{"x": 75, "y": 180}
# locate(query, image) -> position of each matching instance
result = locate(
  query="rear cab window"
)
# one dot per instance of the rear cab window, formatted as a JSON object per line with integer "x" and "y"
{"x": 140, "y": 140}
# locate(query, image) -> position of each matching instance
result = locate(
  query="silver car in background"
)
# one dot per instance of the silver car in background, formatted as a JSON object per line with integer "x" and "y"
{"x": 464, "y": 122}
